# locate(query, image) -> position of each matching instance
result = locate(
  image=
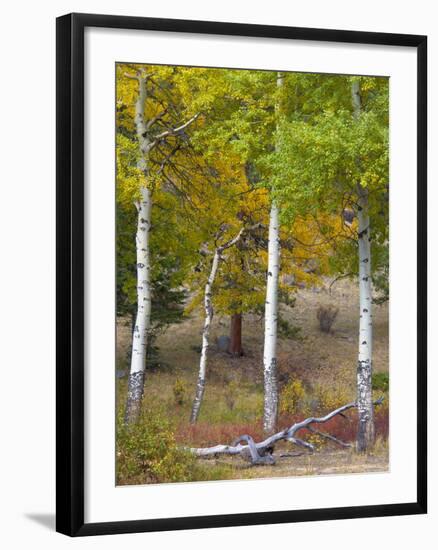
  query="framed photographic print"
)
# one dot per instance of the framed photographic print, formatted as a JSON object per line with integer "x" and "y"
{"x": 241, "y": 274}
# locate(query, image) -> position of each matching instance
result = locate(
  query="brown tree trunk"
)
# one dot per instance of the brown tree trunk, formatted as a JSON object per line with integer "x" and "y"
{"x": 235, "y": 347}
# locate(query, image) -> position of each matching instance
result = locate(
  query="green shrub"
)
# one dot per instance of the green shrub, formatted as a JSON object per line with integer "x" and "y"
{"x": 381, "y": 381}
{"x": 328, "y": 397}
{"x": 147, "y": 452}
{"x": 180, "y": 391}
{"x": 286, "y": 330}
{"x": 292, "y": 397}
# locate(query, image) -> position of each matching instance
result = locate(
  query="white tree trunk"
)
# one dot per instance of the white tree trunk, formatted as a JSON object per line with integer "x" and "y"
{"x": 365, "y": 433}
{"x": 270, "y": 341}
{"x": 143, "y": 318}
{"x": 365, "y": 409}
{"x": 270, "y": 410}
{"x": 208, "y": 307}
{"x": 146, "y": 143}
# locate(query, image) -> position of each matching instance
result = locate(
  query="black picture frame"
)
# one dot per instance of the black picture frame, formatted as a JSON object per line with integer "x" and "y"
{"x": 70, "y": 273}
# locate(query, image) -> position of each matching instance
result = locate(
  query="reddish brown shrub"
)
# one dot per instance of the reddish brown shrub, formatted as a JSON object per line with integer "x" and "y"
{"x": 344, "y": 428}
{"x": 203, "y": 434}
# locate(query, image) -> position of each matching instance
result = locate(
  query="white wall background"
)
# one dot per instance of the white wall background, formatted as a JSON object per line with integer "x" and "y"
{"x": 27, "y": 252}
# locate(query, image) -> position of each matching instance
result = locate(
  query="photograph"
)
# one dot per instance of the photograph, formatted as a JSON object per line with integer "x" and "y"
{"x": 252, "y": 273}
{"x": 221, "y": 243}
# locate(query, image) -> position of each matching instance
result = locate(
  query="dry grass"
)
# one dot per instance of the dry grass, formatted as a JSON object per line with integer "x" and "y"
{"x": 326, "y": 462}
{"x": 324, "y": 363}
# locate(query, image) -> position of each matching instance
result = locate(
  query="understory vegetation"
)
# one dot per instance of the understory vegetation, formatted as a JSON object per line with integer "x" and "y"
{"x": 315, "y": 378}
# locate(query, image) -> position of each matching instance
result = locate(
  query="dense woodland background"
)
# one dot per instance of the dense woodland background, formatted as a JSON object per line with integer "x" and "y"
{"x": 207, "y": 160}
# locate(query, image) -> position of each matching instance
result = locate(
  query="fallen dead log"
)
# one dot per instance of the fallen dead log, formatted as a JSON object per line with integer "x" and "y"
{"x": 262, "y": 453}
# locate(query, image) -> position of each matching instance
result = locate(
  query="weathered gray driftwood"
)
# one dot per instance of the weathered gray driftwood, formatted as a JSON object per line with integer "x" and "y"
{"x": 262, "y": 452}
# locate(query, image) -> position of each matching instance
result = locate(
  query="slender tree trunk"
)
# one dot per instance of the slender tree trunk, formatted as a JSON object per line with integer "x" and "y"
{"x": 208, "y": 307}
{"x": 270, "y": 413}
{"x": 143, "y": 318}
{"x": 235, "y": 347}
{"x": 365, "y": 431}
{"x": 147, "y": 140}
{"x": 270, "y": 342}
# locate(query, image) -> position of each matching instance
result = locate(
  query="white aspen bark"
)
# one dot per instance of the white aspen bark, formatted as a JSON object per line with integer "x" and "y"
{"x": 270, "y": 341}
{"x": 208, "y": 308}
{"x": 143, "y": 317}
{"x": 365, "y": 432}
{"x": 270, "y": 410}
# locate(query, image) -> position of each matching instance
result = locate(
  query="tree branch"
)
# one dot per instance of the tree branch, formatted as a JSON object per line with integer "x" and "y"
{"x": 173, "y": 131}
{"x": 329, "y": 437}
{"x": 339, "y": 277}
{"x": 266, "y": 446}
{"x": 131, "y": 76}
{"x": 137, "y": 76}
{"x": 155, "y": 119}
{"x": 234, "y": 240}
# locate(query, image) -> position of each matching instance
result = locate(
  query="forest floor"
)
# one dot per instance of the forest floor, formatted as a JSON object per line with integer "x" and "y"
{"x": 325, "y": 365}
{"x": 327, "y": 461}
